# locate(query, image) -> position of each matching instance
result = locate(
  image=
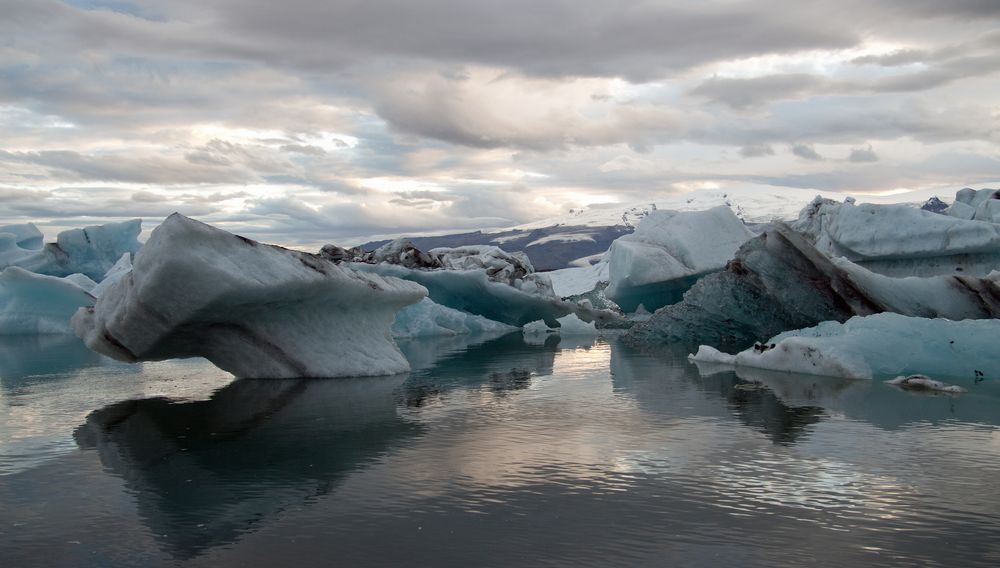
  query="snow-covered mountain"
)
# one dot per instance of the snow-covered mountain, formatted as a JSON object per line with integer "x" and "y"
{"x": 565, "y": 240}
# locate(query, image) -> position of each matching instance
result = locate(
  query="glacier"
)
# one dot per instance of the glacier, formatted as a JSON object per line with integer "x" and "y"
{"x": 880, "y": 345}
{"x": 668, "y": 252}
{"x": 780, "y": 281}
{"x": 252, "y": 309}
{"x": 91, "y": 251}
{"x": 898, "y": 240}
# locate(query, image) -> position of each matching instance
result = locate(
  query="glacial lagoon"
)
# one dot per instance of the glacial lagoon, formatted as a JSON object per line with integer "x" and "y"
{"x": 501, "y": 452}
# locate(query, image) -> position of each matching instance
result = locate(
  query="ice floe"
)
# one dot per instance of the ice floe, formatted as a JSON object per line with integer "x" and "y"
{"x": 881, "y": 345}
{"x": 923, "y": 382}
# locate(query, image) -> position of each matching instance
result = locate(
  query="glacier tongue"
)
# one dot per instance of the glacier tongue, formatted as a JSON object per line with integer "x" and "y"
{"x": 779, "y": 281}
{"x": 668, "y": 252}
{"x": 254, "y": 310}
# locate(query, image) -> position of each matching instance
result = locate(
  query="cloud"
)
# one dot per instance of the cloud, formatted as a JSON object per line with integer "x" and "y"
{"x": 753, "y": 92}
{"x": 756, "y": 151}
{"x": 863, "y": 155}
{"x": 310, "y": 120}
{"x": 806, "y": 152}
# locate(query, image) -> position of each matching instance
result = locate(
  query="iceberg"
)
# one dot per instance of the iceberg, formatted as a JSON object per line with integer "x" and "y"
{"x": 38, "y": 304}
{"x": 91, "y": 251}
{"x": 568, "y": 325}
{"x": 252, "y": 309}
{"x": 923, "y": 382}
{"x": 481, "y": 280}
{"x": 898, "y": 240}
{"x": 881, "y": 345}
{"x": 779, "y": 281}
{"x": 578, "y": 280}
{"x": 976, "y": 204}
{"x": 668, "y": 252}
{"x": 472, "y": 291}
{"x": 427, "y": 319}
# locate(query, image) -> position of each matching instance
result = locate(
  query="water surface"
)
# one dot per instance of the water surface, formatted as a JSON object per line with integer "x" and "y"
{"x": 495, "y": 453}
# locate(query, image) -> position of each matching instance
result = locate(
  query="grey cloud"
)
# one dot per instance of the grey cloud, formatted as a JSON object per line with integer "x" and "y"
{"x": 862, "y": 155}
{"x": 306, "y": 149}
{"x": 747, "y": 93}
{"x": 806, "y": 152}
{"x": 898, "y": 57}
{"x": 756, "y": 151}
{"x": 148, "y": 169}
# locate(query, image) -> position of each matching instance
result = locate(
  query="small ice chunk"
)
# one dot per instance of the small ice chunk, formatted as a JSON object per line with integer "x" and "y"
{"x": 568, "y": 325}
{"x": 708, "y": 354}
{"x": 923, "y": 382}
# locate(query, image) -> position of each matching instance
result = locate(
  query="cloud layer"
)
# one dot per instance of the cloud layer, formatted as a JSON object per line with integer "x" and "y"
{"x": 307, "y": 121}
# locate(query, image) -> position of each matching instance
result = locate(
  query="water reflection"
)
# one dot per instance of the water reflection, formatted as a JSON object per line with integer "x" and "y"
{"x": 565, "y": 452}
{"x": 503, "y": 364}
{"x": 25, "y": 356}
{"x": 204, "y": 472}
{"x": 870, "y": 401}
{"x": 759, "y": 408}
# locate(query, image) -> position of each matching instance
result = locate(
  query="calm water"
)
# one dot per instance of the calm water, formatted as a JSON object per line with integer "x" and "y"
{"x": 500, "y": 453}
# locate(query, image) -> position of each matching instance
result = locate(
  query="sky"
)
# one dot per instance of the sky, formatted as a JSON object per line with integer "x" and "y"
{"x": 302, "y": 122}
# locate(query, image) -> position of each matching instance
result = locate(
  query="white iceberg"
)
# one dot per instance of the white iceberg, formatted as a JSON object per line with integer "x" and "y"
{"x": 91, "y": 251}
{"x": 668, "y": 252}
{"x": 578, "y": 279}
{"x": 976, "y": 204}
{"x": 881, "y": 345}
{"x": 427, "y": 319}
{"x": 568, "y": 325}
{"x": 254, "y": 310}
{"x": 898, "y": 240}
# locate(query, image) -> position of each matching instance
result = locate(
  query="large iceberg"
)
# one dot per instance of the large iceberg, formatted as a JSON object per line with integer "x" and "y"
{"x": 976, "y": 204}
{"x": 881, "y": 345}
{"x": 668, "y": 252}
{"x": 91, "y": 251}
{"x": 38, "y": 304}
{"x": 779, "y": 281}
{"x": 254, "y": 310}
{"x": 898, "y": 240}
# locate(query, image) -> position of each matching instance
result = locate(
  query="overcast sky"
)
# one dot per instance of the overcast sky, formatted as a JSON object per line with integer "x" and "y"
{"x": 310, "y": 121}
